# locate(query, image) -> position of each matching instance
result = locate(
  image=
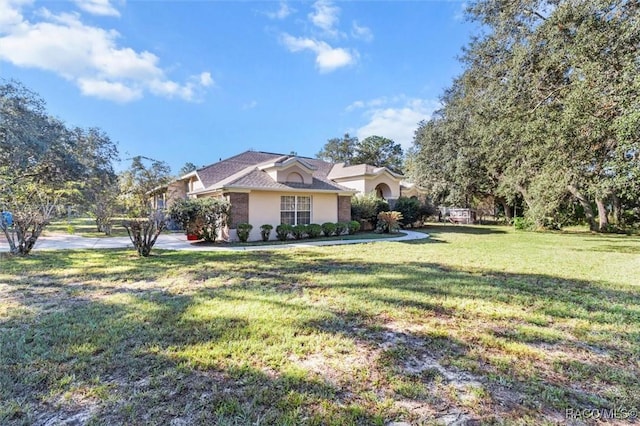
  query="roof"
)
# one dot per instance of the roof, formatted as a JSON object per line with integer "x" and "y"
{"x": 214, "y": 173}
{"x": 341, "y": 170}
{"x": 245, "y": 171}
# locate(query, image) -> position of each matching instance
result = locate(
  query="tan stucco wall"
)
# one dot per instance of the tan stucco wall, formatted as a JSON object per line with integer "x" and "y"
{"x": 195, "y": 184}
{"x": 394, "y": 185}
{"x": 368, "y": 184}
{"x": 324, "y": 208}
{"x": 357, "y": 184}
{"x": 264, "y": 207}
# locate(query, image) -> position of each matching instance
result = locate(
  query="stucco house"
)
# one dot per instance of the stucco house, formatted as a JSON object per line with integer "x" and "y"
{"x": 269, "y": 188}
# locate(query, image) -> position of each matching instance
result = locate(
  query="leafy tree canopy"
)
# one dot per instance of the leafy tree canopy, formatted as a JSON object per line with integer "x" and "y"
{"x": 138, "y": 182}
{"x": 339, "y": 150}
{"x": 374, "y": 150}
{"x": 546, "y": 111}
{"x": 43, "y": 164}
{"x": 380, "y": 152}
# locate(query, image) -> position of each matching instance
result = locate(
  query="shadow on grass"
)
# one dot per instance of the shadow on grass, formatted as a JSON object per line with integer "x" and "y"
{"x": 201, "y": 352}
{"x": 141, "y": 361}
{"x": 462, "y": 229}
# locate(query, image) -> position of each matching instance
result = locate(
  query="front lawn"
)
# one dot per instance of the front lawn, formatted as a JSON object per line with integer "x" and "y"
{"x": 84, "y": 226}
{"x": 477, "y": 323}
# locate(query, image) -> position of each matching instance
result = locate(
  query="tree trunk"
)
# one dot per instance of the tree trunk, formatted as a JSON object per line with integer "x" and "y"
{"x": 617, "y": 210}
{"x": 525, "y": 194}
{"x": 602, "y": 215}
{"x": 507, "y": 208}
{"x": 586, "y": 205}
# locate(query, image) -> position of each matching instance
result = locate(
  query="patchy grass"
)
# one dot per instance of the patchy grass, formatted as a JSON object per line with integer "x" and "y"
{"x": 84, "y": 226}
{"x": 477, "y": 324}
{"x": 356, "y": 236}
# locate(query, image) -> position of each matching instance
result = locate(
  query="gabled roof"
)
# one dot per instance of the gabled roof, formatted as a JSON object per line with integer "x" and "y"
{"x": 246, "y": 171}
{"x": 341, "y": 171}
{"x": 214, "y": 173}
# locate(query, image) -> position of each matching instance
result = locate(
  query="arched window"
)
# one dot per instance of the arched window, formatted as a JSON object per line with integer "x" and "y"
{"x": 383, "y": 191}
{"x": 294, "y": 177}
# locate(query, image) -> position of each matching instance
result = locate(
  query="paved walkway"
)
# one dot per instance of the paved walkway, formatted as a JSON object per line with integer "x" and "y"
{"x": 179, "y": 241}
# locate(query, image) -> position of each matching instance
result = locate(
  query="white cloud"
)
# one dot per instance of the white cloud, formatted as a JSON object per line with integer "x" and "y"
{"x": 327, "y": 58}
{"x": 360, "y": 32}
{"x": 283, "y": 12}
{"x": 325, "y": 16}
{"x": 205, "y": 79}
{"x": 395, "y": 119}
{"x": 97, "y": 7}
{"x": 88, "y": 56}
{"x": 117, "y": 92}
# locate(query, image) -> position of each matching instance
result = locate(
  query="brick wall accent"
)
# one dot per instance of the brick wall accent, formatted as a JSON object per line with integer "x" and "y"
{"x": 239, "y": 208}
{"x": 344, "y": 209}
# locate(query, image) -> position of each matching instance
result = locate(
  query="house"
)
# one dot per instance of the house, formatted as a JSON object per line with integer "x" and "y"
{"x": 269, "y": 188}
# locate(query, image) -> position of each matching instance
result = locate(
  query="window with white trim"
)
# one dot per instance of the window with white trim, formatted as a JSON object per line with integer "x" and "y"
{"x": 295, "y": 210}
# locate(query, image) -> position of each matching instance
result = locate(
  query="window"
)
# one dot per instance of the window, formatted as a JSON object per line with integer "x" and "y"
{"x": 295, "y": 210}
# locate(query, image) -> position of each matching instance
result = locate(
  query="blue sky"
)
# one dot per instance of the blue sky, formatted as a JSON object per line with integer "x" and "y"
{"x": 201, "y": 80}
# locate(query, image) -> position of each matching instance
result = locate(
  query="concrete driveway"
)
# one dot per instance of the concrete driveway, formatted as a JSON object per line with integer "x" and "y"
{"x": 178, "y": 241}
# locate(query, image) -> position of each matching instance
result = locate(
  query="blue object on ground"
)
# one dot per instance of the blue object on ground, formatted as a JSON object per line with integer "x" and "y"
{"x": 8, "y": 218}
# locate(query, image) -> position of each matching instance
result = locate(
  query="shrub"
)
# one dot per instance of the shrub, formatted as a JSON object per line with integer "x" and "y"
{"x": 367, "y": 207}
{"x": 184, "y": 212}
{"x": 353, "y": 227}
{"x": 328, "y": 229}
{"x": 410, "y": 209}
{"x": 314, "y": 230}
{"x": 243, "y": 230}
{"x": 203, "y": 217}
{"x": 427, "y": 209}
{"x": 340, "y": 228}
{"x": 214, "y": 213}
{"x": 389, "y": 221}
{"x": 523, "y": 223}
{"x": 265, "y": 231}
{"x": 283, "y": 231}
{"x": 299, "y": 231}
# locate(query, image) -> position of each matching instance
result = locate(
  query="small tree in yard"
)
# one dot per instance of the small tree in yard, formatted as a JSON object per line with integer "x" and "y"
{"x": 144, "y": 232}
{"x": 31, "y": 210}
{"x": 42, "y": 165}
{"x": 136, "y": 184}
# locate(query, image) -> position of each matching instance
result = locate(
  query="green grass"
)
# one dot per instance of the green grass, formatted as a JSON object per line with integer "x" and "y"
{"x": 83, "y": 226}
{"x": 356, "y": 236}
{"x": 86, "y": 227}
{"x": 479, "y": 323}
